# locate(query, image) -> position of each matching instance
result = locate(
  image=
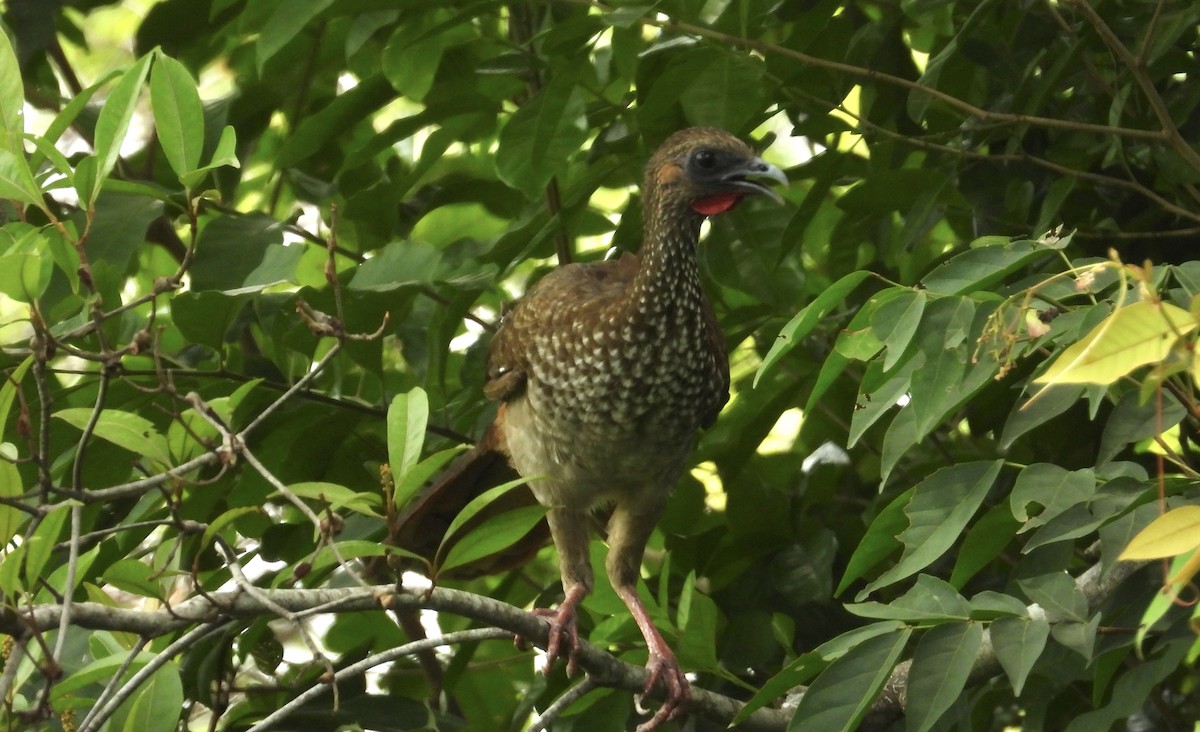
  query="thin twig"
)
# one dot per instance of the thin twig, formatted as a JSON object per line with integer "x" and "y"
{"x": 1170, "y": 132}
{"x": 562, "y": 703}
{"x": 370, "y": 662}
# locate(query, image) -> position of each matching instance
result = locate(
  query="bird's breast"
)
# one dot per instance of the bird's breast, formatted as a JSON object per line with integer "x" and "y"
{"x": 646, "y": 370}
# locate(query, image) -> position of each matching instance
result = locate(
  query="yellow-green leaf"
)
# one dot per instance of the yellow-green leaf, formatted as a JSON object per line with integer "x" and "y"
{"x": 1173, "y": 533}
{"x": 1135, "y": 335}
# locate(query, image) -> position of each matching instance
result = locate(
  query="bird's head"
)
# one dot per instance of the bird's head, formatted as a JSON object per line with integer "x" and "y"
{"x": 708, "y": 171}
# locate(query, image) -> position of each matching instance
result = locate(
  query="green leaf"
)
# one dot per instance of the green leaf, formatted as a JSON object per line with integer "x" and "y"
{"x": 288, "y": 20}
{"x": 124, "y": 429}
{"x": 113, "y": 123}
{"x": 134, "y": 577}
{"x": 218, "y": 524}
{"x": 941, "y": 506}
{"x": 1050, "y": 403}
{"x": 895, "y": 322}
{"x": 24, "y": 277}
{"x": 204, "y": 317}
{"x": 11, "y": 517}
{"x": 842, "y": 695}
{"x": 178, "y": 114}
{"x": 878, "y": 394}
{"x": 812, "y": 663}
{"x": 9, "y": 383}
{"x": 989, "y": 605}
{"x": 491, "y": 536}
{"x": 399, "y": 264}
{"x": 938, "y": 387}
{"x": 332, "y": 123}
{"x": 100, "y": 670}
{"x": 879, "y": 542}
{"x": 230, "y": 249}
{"x": 1136, "y": 335}
{"x": 407, "y": 418}
{"x": 537, "y": 142}
{"x": 804, "y": 321}
{"x": 40, "y": 546}
{"x": 983, "y": 268}
{"x": 476, "y": 505}
{"x": 1133, "y": 688}
{"x": 728, "y": 92}
{"x": 1183, "y": 569}
{"x": 1058, "y": 595}
{"x": 224, "y": 155}
{"x": 1134, "y": 419}
{"x": 985, "y": 541}
{"x": 1019, "y": 643}
{"x": 16, "y": 182}
{"x": 413, "y": 53}
{"x": 940, "y": 668}
{"x": 157, "y": 705}
{"x": 1053, "y": 488}
{"x": 929, "y": 600}
{"x": 66, "y": 117}
{"x": 348, "y": 550}
{"x": 420, "y": 474}
{"x": 12, "y": 101}
{"x": 339, "y": 497}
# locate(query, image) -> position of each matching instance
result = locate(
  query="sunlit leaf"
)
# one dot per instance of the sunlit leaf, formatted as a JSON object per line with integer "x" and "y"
{"x": 1175, "y": 532}
{"x": 406, "y": 420}
{"x": 1137, "y": 334}
{"x": 113, "y": 124}
{"x": 12, "y": 100}
{"x": 178, "y": 115}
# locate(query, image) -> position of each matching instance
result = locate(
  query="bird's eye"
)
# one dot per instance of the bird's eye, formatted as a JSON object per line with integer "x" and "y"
{"x": 705, "y": 159}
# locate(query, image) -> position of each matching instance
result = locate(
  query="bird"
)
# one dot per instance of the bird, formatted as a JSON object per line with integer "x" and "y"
{"x": 606, "y": 371}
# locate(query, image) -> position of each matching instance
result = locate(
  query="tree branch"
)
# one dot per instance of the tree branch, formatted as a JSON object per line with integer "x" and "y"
{"x": 604, "y": 668}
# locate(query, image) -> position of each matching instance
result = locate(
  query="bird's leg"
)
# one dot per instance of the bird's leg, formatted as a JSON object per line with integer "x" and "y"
{"x": 628, "y": 530}
{"x": 661, "y": 665}
{"x": 570, "y": 531}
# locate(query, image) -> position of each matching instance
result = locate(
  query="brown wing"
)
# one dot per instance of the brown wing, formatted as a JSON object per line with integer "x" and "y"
{"x": 561, "y": 297}
{"x": 422, "y": 526}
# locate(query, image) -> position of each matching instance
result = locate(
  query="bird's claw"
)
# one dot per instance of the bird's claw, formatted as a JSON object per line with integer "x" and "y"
{"x": 564, "y": 636}
{"x": 677, "y": 692}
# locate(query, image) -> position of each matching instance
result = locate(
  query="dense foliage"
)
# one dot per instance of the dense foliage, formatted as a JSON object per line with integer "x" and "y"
{"x": 250, "y": 251}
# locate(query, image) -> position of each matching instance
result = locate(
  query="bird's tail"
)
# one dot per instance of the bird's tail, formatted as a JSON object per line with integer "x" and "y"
{"x": 421, "y": 527}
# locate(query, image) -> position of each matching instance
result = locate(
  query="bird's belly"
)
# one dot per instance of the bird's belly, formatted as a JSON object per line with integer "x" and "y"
{"x": 583, "y": 463}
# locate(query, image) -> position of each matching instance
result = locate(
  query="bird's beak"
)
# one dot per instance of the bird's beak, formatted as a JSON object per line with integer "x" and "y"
{"x": 751, "y": 175}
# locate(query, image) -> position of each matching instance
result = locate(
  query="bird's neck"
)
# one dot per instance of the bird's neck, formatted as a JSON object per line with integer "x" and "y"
{"x": 669, "y": 278}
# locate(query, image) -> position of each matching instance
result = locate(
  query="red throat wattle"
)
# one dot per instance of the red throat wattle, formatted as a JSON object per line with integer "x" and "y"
{"x": 716, "y": 204}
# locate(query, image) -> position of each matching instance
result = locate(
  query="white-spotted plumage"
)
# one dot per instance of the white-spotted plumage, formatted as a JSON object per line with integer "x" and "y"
{"x": 607, "y": 370}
